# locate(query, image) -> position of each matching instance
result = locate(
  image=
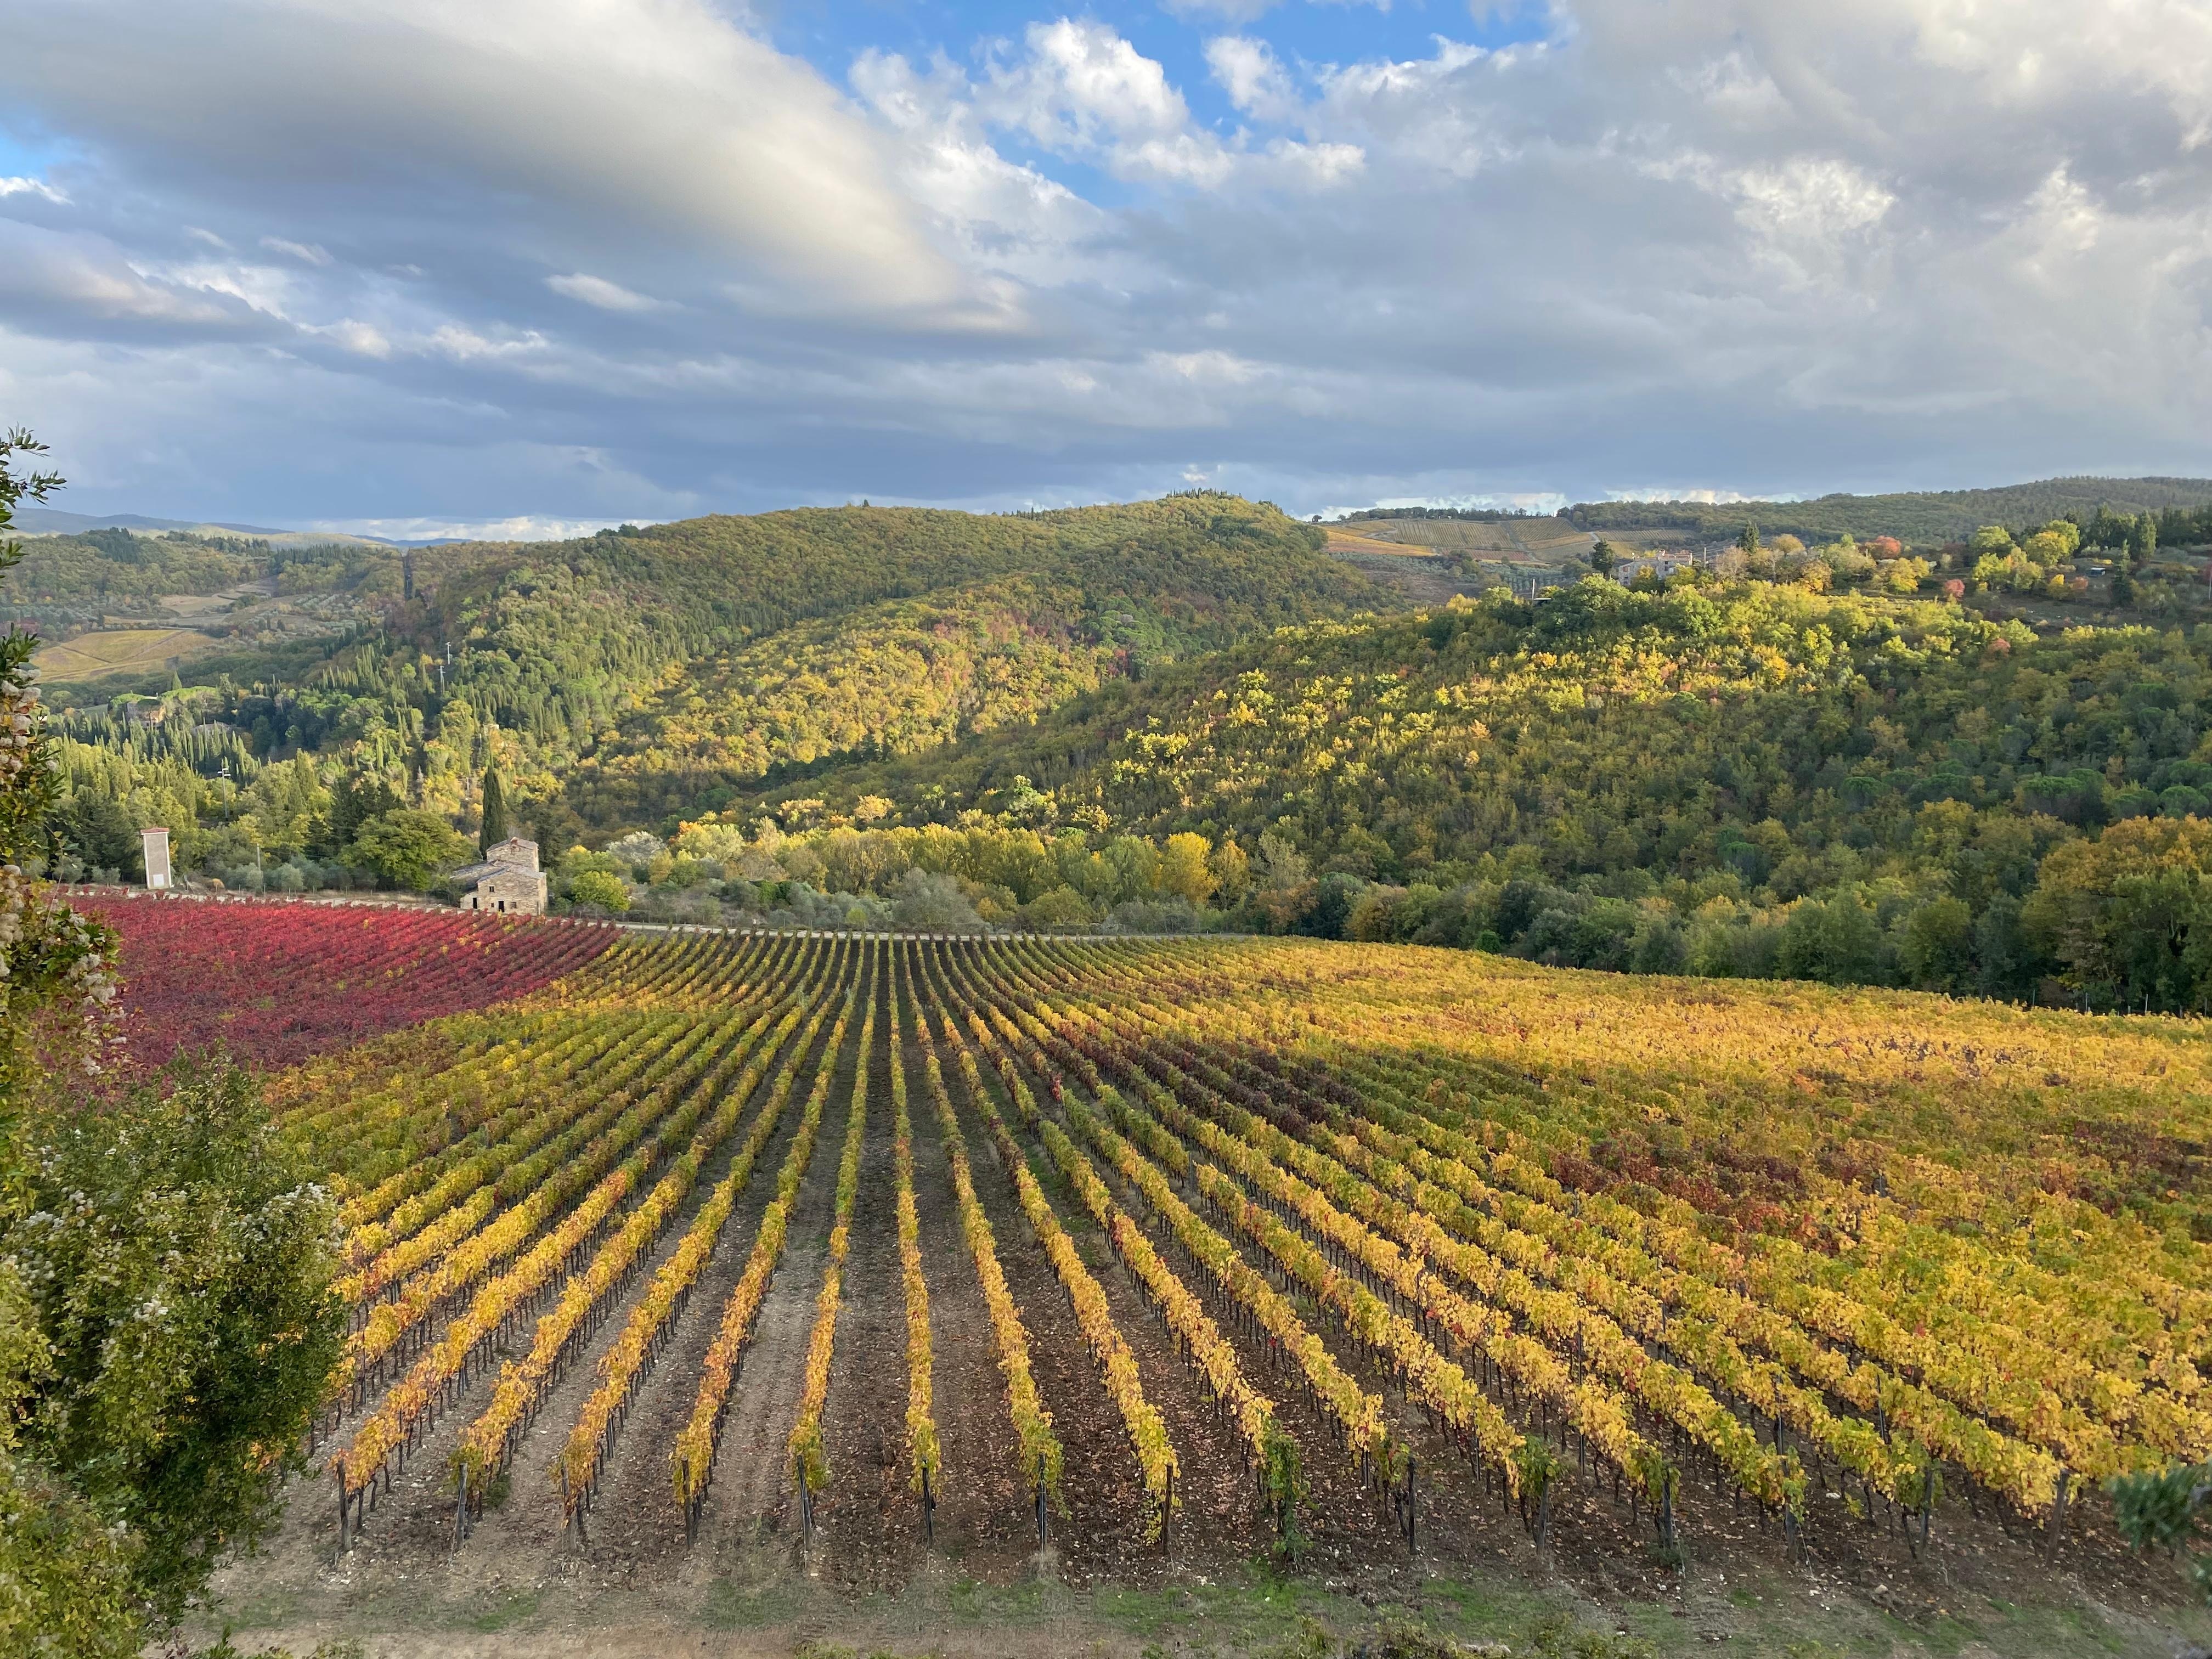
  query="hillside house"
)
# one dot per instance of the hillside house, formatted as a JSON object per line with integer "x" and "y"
{"x": 508, "y": 881}
{"x": 1663, "y": 564}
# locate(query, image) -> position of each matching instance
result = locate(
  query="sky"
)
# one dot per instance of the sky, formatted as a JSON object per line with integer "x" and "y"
{"x": 527, "y": 267}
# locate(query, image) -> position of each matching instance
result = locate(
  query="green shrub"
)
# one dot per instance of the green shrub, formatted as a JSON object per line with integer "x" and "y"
{"x": 599, "y": 891}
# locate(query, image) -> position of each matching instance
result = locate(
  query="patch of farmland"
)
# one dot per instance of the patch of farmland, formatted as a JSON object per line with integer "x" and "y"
{"x": 1538, "y": 540}
{"x": 275, "y": 983}
{"x": 1342, "y": 541}
{"x": 725, "y": 1260}
{"x": 119, "y": 650}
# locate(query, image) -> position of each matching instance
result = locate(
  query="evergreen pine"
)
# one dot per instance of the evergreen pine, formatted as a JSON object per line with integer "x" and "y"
{"x": 495, "y": 828}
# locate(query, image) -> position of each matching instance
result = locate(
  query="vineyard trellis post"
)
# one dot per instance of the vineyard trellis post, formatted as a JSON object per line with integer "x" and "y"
{"x": 1411, "y": 1545}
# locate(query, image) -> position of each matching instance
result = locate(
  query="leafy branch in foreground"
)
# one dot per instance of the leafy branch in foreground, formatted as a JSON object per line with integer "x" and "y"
{"x": 167, "y": 1324}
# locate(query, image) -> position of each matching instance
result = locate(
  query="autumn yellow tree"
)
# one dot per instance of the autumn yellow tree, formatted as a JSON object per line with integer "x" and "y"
{"x": 1184, "y": 870}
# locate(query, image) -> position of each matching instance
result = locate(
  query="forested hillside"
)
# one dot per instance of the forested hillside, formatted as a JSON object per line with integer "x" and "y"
{"x": 1752, "y": 779}
{"x": 117, "y": 567}
{"x": 1922, "y": 517}
{"x": 774, "y": 642}
{"x": 1742, "y": 776}
{"x": 894, "y": 677}
{"x": 635, "y": 677}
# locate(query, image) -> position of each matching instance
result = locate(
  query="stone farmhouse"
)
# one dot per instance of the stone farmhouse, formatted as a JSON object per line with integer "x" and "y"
{"x": 508, "y": 880}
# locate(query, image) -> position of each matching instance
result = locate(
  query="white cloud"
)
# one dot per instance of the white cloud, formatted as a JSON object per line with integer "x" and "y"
{"x": 40, "y": 188}
{"x": 83, "y": 280}
{"x": 606, "y": 295}
{"x": 1251, "y": 11}
{"x": 1921, "y": 242}
{"x": 1705, "y": 494}
{"x": 1081, "y": 86}
{"x": 1810, "y": 198}
{"x": 272, "y": 290}
{"x": 503, "y": 346}
{"x": 1208, "y": 367}
{"x": 307, "y": 253}
{"x": 516, "y": 527}
{"x": 1317, "y": 165}
{"x": 659, "y": 121}
{"x": 1184, "y": 158}
{"x": 1253, "y": 77}
{"x": 1812, "y": 217}
{"x": 1007, "y": 217}
{"x": 350, "y": 334}
{"x": 1081, "y": 91}
{"x": 1227, "y": 11}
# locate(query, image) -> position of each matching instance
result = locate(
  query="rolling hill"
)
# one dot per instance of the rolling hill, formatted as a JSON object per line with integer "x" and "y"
{"x": 1920, "y": 517}
{"x": 1745, "y": 776}
{"x": 632, "y": 676}
{"x": 52, "y": 521}
{"x": 1749, "y": 779}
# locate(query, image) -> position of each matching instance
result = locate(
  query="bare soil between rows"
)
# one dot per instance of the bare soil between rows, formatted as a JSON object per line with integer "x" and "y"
{"x": 869, "y": 1580}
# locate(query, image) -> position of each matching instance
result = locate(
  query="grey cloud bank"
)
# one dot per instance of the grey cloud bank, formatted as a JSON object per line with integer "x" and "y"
{"x": 563, "y": 264}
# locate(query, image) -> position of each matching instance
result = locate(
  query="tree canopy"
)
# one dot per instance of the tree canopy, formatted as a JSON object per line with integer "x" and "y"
{"x": 167, "y": 1325}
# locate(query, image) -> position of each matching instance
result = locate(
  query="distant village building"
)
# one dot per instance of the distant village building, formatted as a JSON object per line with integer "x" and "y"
{"x": 1662, "y": 562}
{"x": 508, "y": 880}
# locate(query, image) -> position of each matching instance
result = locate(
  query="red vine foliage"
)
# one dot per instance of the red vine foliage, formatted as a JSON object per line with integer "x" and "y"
{"x": 277, "y": 983}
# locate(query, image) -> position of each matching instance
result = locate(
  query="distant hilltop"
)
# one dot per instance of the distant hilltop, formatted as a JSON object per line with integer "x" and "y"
{"x": 51, "y": 521}
{"x": 1922, "y": 517}
{"x": 1918, "y": 518}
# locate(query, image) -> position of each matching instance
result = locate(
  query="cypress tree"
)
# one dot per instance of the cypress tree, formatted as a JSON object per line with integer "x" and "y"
{"x": 495, "y": 828}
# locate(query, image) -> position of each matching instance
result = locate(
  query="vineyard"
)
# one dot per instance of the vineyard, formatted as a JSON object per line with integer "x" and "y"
{"x": 275, "y": 983}
{"x": 1157, "y": 1251}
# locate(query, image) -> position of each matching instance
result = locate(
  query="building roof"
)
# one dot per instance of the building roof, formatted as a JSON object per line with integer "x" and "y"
{"x": 513, "y": 856}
